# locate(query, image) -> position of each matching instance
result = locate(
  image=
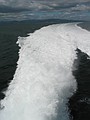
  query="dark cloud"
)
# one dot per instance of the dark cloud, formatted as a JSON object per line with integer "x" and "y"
{"x": 69, "y": 5}
{"x": 39, "y": 4}
{"x": 67, "y": 9}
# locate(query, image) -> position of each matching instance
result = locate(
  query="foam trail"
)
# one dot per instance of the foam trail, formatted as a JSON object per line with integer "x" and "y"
{"x": 43, "y": 81}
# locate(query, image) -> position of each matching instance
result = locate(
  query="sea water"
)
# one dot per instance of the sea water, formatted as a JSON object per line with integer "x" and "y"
{"x": 43, "y": 81}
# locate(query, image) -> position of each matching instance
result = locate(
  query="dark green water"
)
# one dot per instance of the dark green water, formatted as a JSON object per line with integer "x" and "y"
{"x": 79, "y": 103}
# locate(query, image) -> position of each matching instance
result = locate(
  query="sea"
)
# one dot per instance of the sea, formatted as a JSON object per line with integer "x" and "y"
{"x": 45, "y": 62}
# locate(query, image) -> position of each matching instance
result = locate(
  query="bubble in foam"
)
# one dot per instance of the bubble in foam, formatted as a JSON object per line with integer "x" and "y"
{"x": 43, "y": 81}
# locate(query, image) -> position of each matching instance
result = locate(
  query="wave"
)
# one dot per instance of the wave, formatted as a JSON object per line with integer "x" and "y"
{"x": 43, "y": 81}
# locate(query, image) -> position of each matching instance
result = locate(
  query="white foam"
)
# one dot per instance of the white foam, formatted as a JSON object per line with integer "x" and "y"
{"x": 43, "y": 81}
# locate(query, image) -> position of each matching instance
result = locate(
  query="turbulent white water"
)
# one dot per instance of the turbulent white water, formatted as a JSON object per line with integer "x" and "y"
{"x": 43, "y": 81}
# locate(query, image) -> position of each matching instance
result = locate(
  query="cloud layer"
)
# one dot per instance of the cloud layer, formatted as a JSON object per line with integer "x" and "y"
{"x": 40, "y": 4}
{"x": 43, "y": 9}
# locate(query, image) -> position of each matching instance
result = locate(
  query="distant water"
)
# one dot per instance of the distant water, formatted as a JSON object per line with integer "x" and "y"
{"x": 79, "y": 103}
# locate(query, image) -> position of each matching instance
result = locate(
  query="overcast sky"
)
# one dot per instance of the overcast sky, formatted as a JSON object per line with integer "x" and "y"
{"x": 66, "y": 9}
{"x": 48, "y": 4}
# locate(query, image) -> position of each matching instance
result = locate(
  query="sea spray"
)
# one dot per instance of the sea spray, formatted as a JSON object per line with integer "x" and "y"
{"x": 43, "y": 81}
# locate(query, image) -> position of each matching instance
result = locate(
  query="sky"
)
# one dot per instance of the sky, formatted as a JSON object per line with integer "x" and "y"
{"x": 50, "y": 8}
{"x": 43, "y": 4}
